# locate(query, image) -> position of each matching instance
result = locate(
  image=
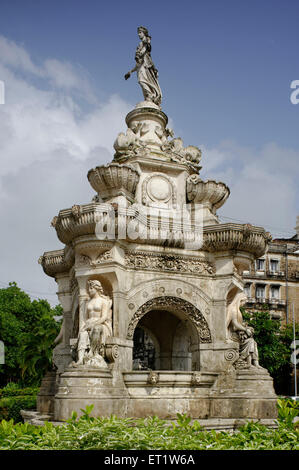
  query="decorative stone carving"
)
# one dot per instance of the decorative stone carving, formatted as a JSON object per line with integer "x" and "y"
{"x": 163, "y": 134}
{"x": 94, "y": 262}
{"x": 190, "y": 155}
{"x": 76, "y": 211}
{"x": 130, "y": 143}
{"x": 114, "y": 179}
{"x": 248, "y": 352}
{"x": 96, "y": 328}
{"x": 231, "y": 355}
{"x": 196, "y": 379}
{"x": 158, "y": 188}
{"x": 166, "y": 302}
{"x": 147, "y": 73}
{"x": 153, "y": 378}
{"x": 112, "y": 352}
{"x": 149, "y": 261}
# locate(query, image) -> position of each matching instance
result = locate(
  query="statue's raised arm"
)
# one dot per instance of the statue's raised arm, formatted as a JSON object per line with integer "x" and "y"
{"x": 147, "y": 73}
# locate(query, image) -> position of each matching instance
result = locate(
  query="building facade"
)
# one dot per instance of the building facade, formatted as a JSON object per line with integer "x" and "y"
{"x": 273, "y": 280}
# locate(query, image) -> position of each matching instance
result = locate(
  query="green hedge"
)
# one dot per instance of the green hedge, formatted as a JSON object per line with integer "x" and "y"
{"x": 87, "y": 433}
{"x": 13, "y": 400}
{"x": 4, "y": 392}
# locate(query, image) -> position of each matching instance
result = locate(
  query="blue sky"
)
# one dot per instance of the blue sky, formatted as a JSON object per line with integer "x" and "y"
{"x": 225, "y": 65}
{"x": 225, "y": 69}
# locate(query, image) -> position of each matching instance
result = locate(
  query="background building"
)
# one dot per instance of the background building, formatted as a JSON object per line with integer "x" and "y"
{"x": 273, "y": 279}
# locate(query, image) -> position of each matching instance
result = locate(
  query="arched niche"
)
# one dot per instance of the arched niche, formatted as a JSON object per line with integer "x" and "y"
{"x": 178, "y": 327}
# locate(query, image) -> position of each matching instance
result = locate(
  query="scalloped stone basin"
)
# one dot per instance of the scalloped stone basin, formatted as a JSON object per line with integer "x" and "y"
{"x": 207, "y": 192}
{"x": 114, "y": 179}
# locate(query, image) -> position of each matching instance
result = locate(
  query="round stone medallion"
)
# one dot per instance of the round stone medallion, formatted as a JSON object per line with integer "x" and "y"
{"x": 159, "y": 188}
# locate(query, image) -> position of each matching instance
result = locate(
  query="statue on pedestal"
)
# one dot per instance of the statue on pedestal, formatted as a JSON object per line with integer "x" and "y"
{"x": 146, "y": 71}
{"x": 248, "y": 352}
{"x": 96, "y": 328}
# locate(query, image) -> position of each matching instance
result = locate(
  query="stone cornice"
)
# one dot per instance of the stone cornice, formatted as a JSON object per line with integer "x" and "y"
{"x": 81, "y": 221}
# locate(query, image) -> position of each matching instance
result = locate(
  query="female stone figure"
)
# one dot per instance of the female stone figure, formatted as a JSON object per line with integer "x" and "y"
{"x": 248, "y": 351}
{"x": 96, "y": 328}
{"x": 147, "y": 73}
{"x": 234, "y": 319}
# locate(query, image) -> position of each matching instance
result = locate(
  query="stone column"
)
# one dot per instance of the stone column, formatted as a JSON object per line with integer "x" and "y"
{"x": 62, "y": 352}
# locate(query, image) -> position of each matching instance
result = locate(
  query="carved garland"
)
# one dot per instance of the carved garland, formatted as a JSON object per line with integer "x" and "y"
{"x": 182, "y": 305}
{"x": 143, "y": 260}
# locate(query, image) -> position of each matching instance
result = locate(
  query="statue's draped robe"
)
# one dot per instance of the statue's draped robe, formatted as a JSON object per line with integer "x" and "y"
{"x": 147, "y": 75}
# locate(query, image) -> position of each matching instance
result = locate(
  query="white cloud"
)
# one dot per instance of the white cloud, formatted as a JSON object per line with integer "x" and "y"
{"x": 48, "y": 142}
{"x": 263, "y": 184}
{"x": 16, "y": 56}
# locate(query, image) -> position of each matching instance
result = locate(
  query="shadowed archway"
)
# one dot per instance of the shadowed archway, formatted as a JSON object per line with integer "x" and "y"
{"x": 178, "y": 328}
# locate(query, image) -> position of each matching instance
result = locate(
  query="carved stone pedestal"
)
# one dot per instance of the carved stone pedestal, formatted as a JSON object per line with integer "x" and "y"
{"x": 85, "y": 386}
{"x": 247, "y": 394}
{"x": 48, "y": 389}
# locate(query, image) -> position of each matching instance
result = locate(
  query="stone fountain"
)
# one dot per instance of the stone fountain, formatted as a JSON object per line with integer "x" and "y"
{"x": 151, "y": 288}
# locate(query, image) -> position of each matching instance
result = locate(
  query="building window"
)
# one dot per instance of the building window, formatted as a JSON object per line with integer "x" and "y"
{"x": 247, "y": 290}
{"x": 274, "y": 292}
{"x": 260, "y": 264}
{"x": 273, "y": 265}
{"x": 260, "y": 292}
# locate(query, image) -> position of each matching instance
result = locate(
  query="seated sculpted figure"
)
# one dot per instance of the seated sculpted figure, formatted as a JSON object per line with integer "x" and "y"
{"x": 248, "y": 351}
{"x": 96, "y": 327}
{"x": 248, "y": 348}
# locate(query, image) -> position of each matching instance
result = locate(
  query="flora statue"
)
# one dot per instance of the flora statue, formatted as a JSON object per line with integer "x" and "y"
{"x": 147, "y": 73}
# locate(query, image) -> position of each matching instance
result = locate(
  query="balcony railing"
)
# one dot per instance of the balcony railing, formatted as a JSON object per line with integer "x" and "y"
{"x": 264, "y": 300}
{"x": 265, "y": 274}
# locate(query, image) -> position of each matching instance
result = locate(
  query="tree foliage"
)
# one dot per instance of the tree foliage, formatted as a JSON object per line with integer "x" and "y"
{"x": 28, "y": 329}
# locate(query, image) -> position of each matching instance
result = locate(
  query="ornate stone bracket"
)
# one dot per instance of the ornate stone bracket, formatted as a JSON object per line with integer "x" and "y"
{"x": 93, "y": 262}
